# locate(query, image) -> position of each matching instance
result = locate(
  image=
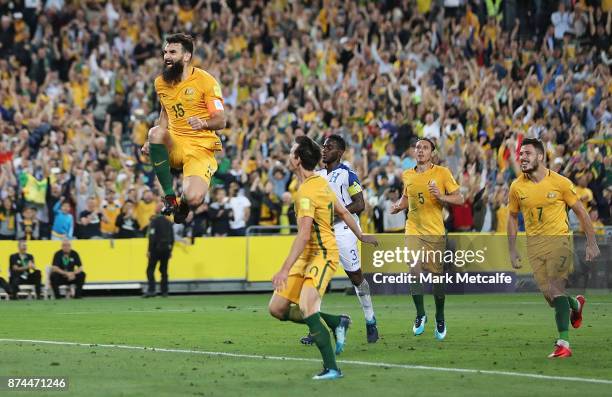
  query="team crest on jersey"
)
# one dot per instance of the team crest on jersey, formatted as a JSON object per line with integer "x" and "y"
{"x": 551, "y": 195}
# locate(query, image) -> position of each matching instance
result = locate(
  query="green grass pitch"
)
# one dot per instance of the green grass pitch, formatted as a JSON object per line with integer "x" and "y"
{"x": 498, "y": 333}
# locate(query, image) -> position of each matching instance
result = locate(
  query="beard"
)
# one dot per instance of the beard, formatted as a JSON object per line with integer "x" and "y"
{"x": 173, "y": 74}
{"x": 531, "y": 167}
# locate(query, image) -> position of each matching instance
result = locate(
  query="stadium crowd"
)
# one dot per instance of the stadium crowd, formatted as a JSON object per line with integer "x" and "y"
{"x": 478, "y": 76}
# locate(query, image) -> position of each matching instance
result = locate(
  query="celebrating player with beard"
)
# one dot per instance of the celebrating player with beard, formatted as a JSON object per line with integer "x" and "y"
{"x": 185, "y": 138}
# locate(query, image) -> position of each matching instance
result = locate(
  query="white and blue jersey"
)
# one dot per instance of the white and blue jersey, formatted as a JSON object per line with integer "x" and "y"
{"x": 344, "y": 183}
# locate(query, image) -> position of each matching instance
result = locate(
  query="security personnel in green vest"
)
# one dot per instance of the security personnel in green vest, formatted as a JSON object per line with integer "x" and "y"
{"x": 23, "y": 270}
{"x": 67, "y": 269}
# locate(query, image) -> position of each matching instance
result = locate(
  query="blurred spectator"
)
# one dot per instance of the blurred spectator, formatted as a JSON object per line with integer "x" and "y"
{"x": 28, "y": 227}
{"x": 269, "y": 208}
{"x": 23, "y": 270}
{"x": 392, "y": 223}
{"x": 8, "y": 212}
{"x": 127, "y": 224}
{"x": 111, "y": 208}
{"x": 500, "y": 208}
{"x": 90, "y": 221}
{"x": 597, "y": 224}
{"x": 146, "y": 209}
{"x": 200, "y": 220}
{"x": 241, "y": 209}
{"x": 67, "y": 269}
{"x": 584, "y": 193}
{"x": 409, "y": 158}
{"x": 279, "y": 176}
{"x": 220, "y": 213}
{"x": 562, "y": 20}
{"x": 287, "y": 213}
{"x": 63, "y": 222}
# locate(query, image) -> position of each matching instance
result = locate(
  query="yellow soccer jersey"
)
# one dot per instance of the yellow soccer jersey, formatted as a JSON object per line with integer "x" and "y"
{"x": 424, "y": 211}
{"x": 199, "y": 95}
{"x": 315, "y": 199}
{"x": 543, "y": 204}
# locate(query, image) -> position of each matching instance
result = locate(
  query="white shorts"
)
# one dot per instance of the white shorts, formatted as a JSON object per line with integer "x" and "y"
{"x": 349, "y": 251}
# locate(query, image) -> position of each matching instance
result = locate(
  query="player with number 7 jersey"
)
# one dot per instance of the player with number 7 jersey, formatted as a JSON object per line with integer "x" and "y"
{"x": 543, "y": 196}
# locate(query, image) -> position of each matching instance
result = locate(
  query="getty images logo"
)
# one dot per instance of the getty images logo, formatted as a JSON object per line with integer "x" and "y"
{"x": 411, "y": 257}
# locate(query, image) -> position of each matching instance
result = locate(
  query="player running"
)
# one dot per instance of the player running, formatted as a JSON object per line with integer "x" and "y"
{"x": 427, "y": 187}
{"x": 346, "y": 186}
{"x": 542, "y": 196}
{"x": 192, "y": 110}
{"x": 301, "y": 282}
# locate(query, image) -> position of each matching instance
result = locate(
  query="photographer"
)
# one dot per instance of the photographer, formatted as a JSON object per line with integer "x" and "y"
{"x": 220, "y": 213}
{"x": 127, "y": 225}
{"x": 89, "y": 221}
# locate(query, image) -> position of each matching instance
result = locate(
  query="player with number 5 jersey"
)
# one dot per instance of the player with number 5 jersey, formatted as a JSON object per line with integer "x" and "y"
{"x": 427, "y": 188}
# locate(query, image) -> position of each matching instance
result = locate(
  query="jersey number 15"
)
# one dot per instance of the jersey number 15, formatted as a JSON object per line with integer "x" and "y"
{"x": 178, "y": 110}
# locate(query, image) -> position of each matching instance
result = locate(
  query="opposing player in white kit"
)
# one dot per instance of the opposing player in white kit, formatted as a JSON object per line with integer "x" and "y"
{"x": 345, "y": 184}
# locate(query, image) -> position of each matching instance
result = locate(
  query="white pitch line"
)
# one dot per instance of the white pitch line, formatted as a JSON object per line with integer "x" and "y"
{"x": 247, "y": 308}
{"x": 348, "y": 362}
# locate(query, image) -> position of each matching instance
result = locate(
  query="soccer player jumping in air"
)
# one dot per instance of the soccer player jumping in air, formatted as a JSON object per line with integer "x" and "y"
{"x": 345, "y": 185}
{"x": 427, "y": 187}
{"x": 192, "y": 110}
{"x": 301, "y": 282}
{"x": 542, "y": 196}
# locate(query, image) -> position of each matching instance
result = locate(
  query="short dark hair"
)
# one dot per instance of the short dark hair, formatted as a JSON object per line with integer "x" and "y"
{"x": 308, "y": 152}
{"x": 183, "y": 39}
{"x": 536, "y": 143}
{"x": 433, "y": 145}
{"x": 340, "y": 142}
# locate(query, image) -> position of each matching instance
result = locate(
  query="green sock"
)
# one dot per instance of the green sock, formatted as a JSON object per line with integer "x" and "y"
{"x": 573, "y": 302}
{"x": 294, "y": 314}
{"x": 418, "y": 303}
{"x": 331, "y": 320}
{"x": 439, "y": 299}
{"x": 322, "y": 338}
{"x": 562, "y": 316}
{"x": 439, "y": 296}
{"x": 161, "y": 165}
